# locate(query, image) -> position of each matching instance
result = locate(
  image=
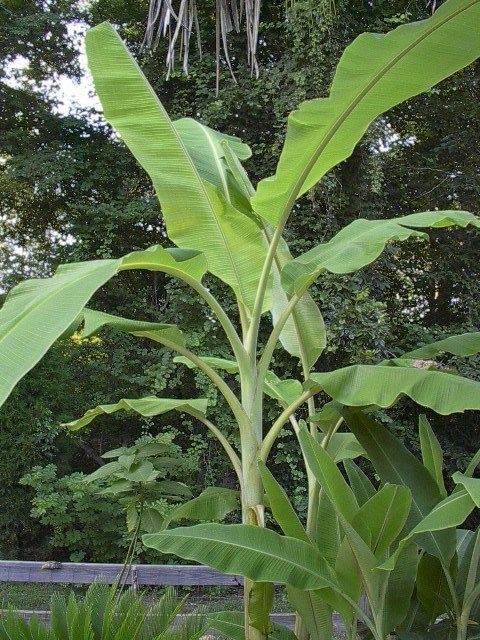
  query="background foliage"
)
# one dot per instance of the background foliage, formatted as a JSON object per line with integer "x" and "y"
{"x": 70, "y": 191}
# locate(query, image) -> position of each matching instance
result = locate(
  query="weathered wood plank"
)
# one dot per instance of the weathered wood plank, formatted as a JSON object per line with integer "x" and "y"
{"x": 86, "y": 573}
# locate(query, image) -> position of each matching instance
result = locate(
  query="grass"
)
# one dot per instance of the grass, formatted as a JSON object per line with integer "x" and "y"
{"x": 28, "y": 596}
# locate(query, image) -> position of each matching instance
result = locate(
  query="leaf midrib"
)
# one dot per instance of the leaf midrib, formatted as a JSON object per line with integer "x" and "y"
{"x": 190, "y": 162}
{"x": 216, "y": 157}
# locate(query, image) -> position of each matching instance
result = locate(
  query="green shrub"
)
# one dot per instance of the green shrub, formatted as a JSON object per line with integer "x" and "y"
{"x": 85, "y": 516}
{"x": 83, "y": 525}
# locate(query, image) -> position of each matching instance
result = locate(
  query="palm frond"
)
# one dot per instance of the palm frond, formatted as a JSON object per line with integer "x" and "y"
{"x": 107, "y": 613}
{"x": 162, "y": 615}
{"x": 100, "y": 602}
{"x": 78, "y": 619}
{"x": 130, "y": 614}
{"x": 37, "y": 630}
{"x": 58, "y": 616}
{"x": 12, "y": 626}
{"x": 191, "y": 627}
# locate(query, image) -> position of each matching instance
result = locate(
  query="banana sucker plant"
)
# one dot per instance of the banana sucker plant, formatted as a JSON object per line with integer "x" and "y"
{"x": 444, "y": 596}
{"x": 221, "y": 225}
{"x": 397, "y": 547}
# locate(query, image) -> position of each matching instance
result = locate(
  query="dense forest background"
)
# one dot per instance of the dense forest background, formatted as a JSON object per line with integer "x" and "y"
{"x": 69, "y": 191}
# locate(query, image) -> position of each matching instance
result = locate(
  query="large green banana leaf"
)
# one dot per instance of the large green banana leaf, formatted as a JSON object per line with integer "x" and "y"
{"x": 375, "y": 73}
{"x": 94, "y": 321}
{"x": 38, "y": 312}
{"x": 463, "y": 344}
{"x": 362, "y": 241}
{"x": 148, "y": 407}
{"x": 447, "y": 514}
{"x": 254, "y": 552}
{"x": 394, "y": 463}
{"x": 197, "y": 214}
{"x": 364, "y": 385}
{"x": 385, "y": 515}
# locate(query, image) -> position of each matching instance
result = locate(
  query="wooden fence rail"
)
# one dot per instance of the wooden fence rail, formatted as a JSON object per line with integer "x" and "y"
{"x": 139, "y": 574}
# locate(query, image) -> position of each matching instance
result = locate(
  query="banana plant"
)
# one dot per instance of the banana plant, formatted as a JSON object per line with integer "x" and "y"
{"x": 392, "y": 525}
{"x": 446, "y": 602}
{"x": 322, "y": 575}
{"x": 221, "y": 225}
